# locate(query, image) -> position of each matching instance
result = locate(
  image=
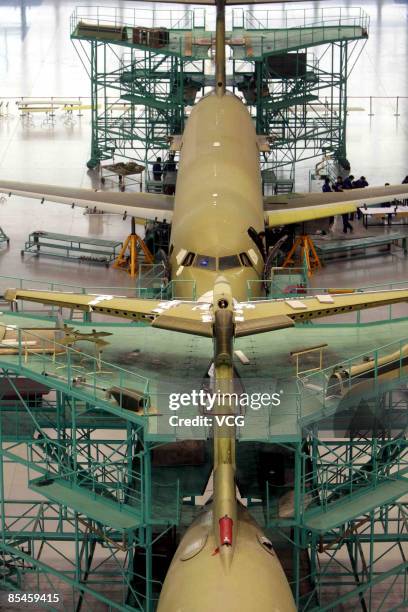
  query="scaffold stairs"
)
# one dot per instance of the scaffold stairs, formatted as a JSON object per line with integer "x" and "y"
{"x": 85, "y": 501}
{"x": 364, "y": 500}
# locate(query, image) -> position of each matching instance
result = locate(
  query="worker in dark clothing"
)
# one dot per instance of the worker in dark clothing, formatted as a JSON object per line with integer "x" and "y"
{"x": 338, "y": 186}
{"x": 170, "y": 176}
{"x": 327, "y": 189}
{"x": 348, "y": 182}
{"x": 360, "y": 183}
{"x": 157, "y": 169}
{"x": 170, "y": 165}
{"x": 326, "y": 185}
{"x": 346, "y": 223}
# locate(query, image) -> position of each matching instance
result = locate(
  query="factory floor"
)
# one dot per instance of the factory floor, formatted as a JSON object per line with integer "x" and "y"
{"x": 37, "y": 59}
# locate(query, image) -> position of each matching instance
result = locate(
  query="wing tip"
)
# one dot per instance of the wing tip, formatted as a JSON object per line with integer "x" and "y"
{"x": 10, "y": 295}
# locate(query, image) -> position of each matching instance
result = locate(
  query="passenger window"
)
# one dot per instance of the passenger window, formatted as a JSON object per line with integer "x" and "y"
{"x": 245, "y": 260}
{"x": 188, "y": 259}
{"x": 204, "y": 261}
{"x": 231, "y": 261}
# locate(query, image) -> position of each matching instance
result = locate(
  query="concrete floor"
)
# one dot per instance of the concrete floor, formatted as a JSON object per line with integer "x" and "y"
{"x": 38, "y": 59}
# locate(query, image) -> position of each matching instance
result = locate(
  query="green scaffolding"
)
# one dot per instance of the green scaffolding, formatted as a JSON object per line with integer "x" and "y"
{"x": 325, "y": 476}
{"x": 103, "y": 516}
{"x": 291, "y": 70}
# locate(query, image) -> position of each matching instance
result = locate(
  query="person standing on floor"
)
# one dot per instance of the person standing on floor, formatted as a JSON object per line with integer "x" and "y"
{"x": 348, "y": 184}
{"x": 327, "y": 189}
{"x": 338, "y": 186}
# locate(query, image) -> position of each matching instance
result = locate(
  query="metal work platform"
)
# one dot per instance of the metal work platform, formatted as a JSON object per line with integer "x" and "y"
{"x": 98, "y": 508}
{"x": 82, "y": 248}
{"x": 357, "y": 247}
{"x": 362, "y": 502}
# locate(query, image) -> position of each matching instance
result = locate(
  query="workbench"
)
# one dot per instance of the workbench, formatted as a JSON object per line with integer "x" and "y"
{"x": 384, "y": 215}
{"x": 121, "y": 171}
{"x": 81, "y": 248}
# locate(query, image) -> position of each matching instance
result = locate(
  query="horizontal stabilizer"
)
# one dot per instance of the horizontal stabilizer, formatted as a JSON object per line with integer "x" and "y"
{"x": 186, "y": 326}
{"x": 261, "y": 316}
{"x": 262, "y": 324}
{"x": 172, "y": 315}
{"x": 198, "y": 319}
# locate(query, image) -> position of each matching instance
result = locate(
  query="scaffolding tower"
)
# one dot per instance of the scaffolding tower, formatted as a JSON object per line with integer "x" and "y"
{"x": 291, "y": 69}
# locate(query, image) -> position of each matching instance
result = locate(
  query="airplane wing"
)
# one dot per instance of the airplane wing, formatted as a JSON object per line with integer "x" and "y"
{"x": 299, "y": 207}
{"x": 145, "y": 205}
{"x": 197, "y": 317}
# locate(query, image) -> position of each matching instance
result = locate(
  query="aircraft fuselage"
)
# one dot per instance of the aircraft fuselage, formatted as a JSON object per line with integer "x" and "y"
{"x": 218, "y": 198}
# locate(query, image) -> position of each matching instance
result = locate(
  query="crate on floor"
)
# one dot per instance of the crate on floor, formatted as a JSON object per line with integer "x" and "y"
{"x": 65, "y": 246}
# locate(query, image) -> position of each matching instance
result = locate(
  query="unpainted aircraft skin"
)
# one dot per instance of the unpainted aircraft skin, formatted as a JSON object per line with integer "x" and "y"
{"x": 218, "y": 195}
{"x": 197, "y": 581}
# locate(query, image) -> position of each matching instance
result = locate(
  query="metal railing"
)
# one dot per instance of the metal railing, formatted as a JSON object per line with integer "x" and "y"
{"x": 301, "y": 18}
{"x": 175, "y": 19}
{"x": 111, "y": 482}
{"x": 329, "y": 386}
{"x": 88, "y": 375}
{"x": 396, "y": 105}
{"x": 340, "y": 477}
{"x": 298, "y": 38}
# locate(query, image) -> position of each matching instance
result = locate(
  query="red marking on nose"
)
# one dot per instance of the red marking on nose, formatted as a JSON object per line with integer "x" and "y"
{"x": 226, "y": 524}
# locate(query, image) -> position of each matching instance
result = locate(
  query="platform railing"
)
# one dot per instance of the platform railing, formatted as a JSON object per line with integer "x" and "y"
{"x": 341, "y": 476}
{"x": 112, "y": 478}
{"x": 175, "y": 19}
{"x": 344, "y": 384}
{"x": 271, "y": 19}
{"x": 88, "y": 375}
